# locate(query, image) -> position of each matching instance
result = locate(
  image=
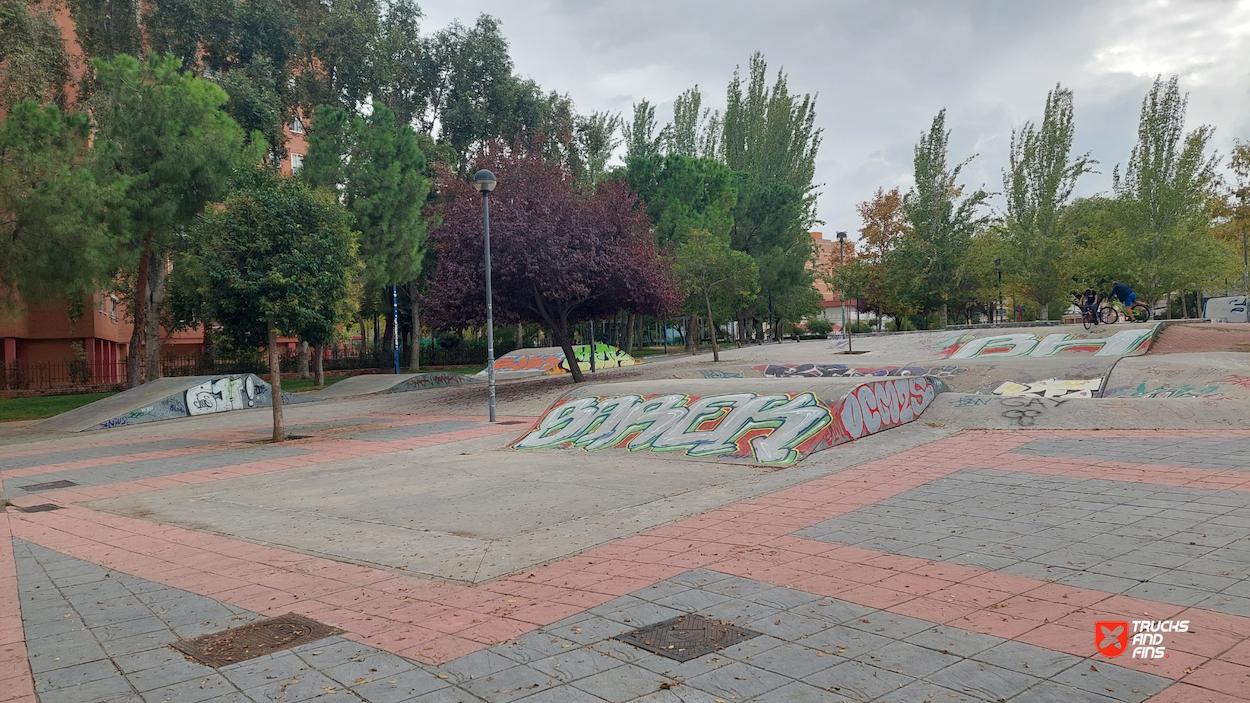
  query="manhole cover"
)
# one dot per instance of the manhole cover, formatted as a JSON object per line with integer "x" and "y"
{"x": 43, "y": 508}
{"x": 687, "y": 637}
{"x": 238, "y": 644}
{"x": 49, "y": 486}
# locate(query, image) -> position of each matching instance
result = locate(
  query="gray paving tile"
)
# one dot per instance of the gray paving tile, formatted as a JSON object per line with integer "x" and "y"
{"x": 622, "y": 683}
{"x": 575, "y": 664}
{"x": 908, "y": 659}
{"x": 71, "y": 676}
{"x": 510, "y": 684}
{"x": 401, "y": 687}
{"x": 858, "y": 681}
{"x": 739, "y": 681}
{"x": 792, "y": 660}
{"x": 1027, "y": 659}
{"x": 982, "y": 680}
{"x": 1113, "y": 681}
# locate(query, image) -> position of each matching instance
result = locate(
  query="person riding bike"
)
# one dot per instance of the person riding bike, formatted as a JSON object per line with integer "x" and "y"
{"x": 1123, "y": 293}
{"x": 1088, "y": 303}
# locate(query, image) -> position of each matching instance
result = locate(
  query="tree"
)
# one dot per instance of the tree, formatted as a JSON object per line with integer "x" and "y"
{"x": 596, "y": 140}
{"x": 1037, "y": 185}
{"x": 337, "y": 45}
{"x": 683, "y": 194}
{"x": 33, "y": 64}
{"x": 715, "y": 278}
{"x": 885, "y": 227}
{"x": 53, "y": 246}
{"x": 378, "y": 168}
{"x": 942, "y": 220}
{"x": 276, "y": 259}
{"x": 641, "y": 139}
{"x": 107, "y": 28}
{"x": 165, "y": 148}
{"x": 560, "y": 254}
{"x": 1165, "y": 192}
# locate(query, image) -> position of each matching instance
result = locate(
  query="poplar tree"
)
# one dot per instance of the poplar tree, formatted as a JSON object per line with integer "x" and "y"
{"x": 1038, "y": 186}
{"x": 942, "y": 218}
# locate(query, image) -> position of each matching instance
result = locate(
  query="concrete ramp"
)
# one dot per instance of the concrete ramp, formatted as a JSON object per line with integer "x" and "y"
{"x": 771, "y": 422}
{"x": 1207, "y": 376}
{"x": 168, "y": 399}
{"x": 368, "y": 384}
{"x": 550, "y": 360}
{"x": 971, "y": 412}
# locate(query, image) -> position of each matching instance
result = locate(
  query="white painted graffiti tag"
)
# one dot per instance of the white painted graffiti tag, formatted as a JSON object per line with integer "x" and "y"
{"x": 706, "y": 426}
{"x": 223, "y": 394}
{"x": 884, "y": 404}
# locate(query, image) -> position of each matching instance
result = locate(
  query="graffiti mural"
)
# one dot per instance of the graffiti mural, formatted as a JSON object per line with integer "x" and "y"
{"x": 881, "y": 405}
{"x": 1166, "y": 390}
{"x": 1051, "y": 388}
{"x": 844, "y": 371}
{"x": 771, "y": 429}
{"x": 1125, "y": 343}
{"x": 225, "y": 394}
{"x": 432, "y": 380}
{"x": 767, "y": 428}
{"x": 553, "y": 362}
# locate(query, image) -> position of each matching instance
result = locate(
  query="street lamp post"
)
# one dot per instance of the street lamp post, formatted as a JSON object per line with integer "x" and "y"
{"x": 842, "y": 294}
{"x": 485, "y": 181}
{"x": 998, "y": 266}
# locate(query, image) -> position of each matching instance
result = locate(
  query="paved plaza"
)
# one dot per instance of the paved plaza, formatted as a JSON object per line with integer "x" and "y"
{"x": 927, "y": 563}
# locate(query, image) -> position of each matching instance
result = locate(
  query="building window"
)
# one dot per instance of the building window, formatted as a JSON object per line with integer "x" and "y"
{"x": 297, "y": 161}
{"x": 297, "y": 126}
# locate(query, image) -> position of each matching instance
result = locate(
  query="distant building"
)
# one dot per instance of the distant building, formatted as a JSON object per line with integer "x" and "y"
{"x": 829, "y": 255}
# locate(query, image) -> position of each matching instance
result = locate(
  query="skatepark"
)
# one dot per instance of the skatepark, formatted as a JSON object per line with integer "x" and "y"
{"x": 843, "y": 507}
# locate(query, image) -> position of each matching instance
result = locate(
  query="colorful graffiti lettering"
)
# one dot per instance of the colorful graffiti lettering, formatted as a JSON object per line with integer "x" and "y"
{"x": 876, "y": 406}
{"x": 844, "y": 371}
{"x": 224, "y": 394}
{"x": 1125, "y": 343}
{"x": 1051, "y": 388}
{"x": 721, "y": 374}
{"x": 538, "y": 362}
{"x": 1242, "y": 381}
{"x": 606, "y": 356}
{"x": 767, "y": 428}
{"x": 1168, "y": 391}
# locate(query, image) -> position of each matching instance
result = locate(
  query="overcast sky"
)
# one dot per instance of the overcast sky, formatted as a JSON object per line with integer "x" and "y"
{"x": 882, "y": 69}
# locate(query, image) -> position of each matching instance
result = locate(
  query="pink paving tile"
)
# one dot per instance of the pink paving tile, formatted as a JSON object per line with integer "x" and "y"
{"x": 934, "y": 610}
{"x": 497, "y": 630}
{"x": 1187, "y": 693}
{"x": 1224, "y": 677}
{"x": 994, "y": 622}
{"x": 441, "y": 650}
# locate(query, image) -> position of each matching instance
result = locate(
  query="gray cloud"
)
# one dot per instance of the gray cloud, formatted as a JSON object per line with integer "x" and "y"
{"x": 882, "y": 69}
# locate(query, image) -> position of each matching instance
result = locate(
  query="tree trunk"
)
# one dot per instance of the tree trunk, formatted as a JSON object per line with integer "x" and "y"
{"x": 707, "y": 300}
{"x": 414, "y": 354}
{"x": 560, "y": 329}
{"x": 520, "y": 335}
{"x": 302, "y": 360}
{"x": 364, "y": 337}
{"x": 629, "y": 334}
{"x": 943, "y": 314}
{"x": 691, "y": 344}
{"x": 133, "y": 367}
{"x": 1046, "y": 310}
{"x": 152, "y": 321}
{"x": 206, "y": 359}
{"x": 275, "y": 384}
{"x": 320, "y": 366}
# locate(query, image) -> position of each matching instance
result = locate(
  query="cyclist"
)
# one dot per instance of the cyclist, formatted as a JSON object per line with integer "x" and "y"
{"x": 1088, "y": 303}
{"x": 1125, "y": 295}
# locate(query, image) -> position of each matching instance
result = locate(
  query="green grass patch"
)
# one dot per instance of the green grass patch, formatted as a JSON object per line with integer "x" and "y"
{"x": 466, "y": 370}
{"x": 46, "y": 406}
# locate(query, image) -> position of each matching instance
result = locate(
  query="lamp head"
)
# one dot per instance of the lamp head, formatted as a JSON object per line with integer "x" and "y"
{"x": 841, "y": 236}
{"x": 484, "y": 180}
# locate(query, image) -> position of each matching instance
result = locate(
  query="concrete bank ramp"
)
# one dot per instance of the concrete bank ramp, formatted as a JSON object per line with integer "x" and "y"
{"x": 772, "y": 422}
{"x": 168, "y": 399}
{"x": 368, "y": 384}
{"x": 970, "y": 411}
{"x": 1208, "y": 376}
{"x": 535, "y": 361}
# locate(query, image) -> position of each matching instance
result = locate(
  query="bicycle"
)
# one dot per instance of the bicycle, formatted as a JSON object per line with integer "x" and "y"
{"x": 1107, "y": 315}
{"x": 1137, "y": 312}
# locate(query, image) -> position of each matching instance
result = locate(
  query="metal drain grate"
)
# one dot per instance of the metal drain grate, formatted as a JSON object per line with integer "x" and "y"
{"x": 49, "y": 486}
{"x": 218, "y": 649}
{"x": 42, "y": 508}
{"x": 687, "y": 637}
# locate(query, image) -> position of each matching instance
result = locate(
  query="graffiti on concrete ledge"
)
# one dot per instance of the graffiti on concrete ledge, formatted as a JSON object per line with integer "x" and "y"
{"x": 1051, "y": 388}
{"x": 844, "y": 371}
{"x": 772, "y": 429}
{"x": 1125, "y": 343}
{"x": 224, "y": 394}
{"x": 606, "y": 356}
{"x": 767, "y": 428}
{"x": 431, "y": 380}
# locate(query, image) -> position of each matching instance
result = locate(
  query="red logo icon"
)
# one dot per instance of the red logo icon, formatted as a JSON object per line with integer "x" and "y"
{"x": 1111, "y": 637}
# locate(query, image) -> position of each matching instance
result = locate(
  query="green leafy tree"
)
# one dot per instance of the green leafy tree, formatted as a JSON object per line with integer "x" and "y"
{"x": 1165, "y": 192}
{"x": 33, "y": 63}
{"x": 164, "y": 147}
{"x": 276, "y": 259}
{"x": 596, "y": 140}
{"x": 381, "y": 172}
{"x": 107, "y": 28}
{"x": 53, "y": 246}
{"x": 769, "y": 224}
{"x": 716, "y": 279}
{"x": 641, "y": 138}
{"x": 334, "y": 64}
{"x": 683, "y": 194}
{"x": 942, "y": 219}
{"x": 1038, "y": 185}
